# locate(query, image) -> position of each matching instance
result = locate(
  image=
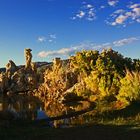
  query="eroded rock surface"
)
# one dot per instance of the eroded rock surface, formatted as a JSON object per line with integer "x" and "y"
{"x": 19, "y": 79}
{"x": 10, "y": 68}
{"x": 28, "y": 58}
{"x": 3, "y": 82}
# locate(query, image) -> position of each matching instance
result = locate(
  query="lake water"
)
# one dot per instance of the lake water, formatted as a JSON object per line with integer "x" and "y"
{"x": 21, "y": 106}
{"x": 31, "y": 108}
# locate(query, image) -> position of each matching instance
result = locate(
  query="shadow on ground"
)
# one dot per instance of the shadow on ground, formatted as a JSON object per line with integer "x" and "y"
{"x": 129, "y": 111}
{"x": 93, "y": 132}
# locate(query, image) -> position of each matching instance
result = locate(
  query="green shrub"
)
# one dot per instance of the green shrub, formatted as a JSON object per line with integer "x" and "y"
{"x": 130, "y": 88}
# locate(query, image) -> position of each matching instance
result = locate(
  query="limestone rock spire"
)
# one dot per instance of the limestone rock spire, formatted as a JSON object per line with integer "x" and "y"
{"x": 28, "y": 58}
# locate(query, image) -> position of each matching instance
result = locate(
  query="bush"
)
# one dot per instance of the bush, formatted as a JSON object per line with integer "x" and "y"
{"x": 130, "y": 88}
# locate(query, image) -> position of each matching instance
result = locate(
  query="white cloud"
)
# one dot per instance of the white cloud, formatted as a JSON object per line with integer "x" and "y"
{"x": 63, "y": 51}
{"x": 125, "y": 41}
{"x": 53, "y": 36}
{"x": 87, "y": 46}
{"x": 138, "y": 20}
{"x": 89, "y": 6}
{"x": 42, "y": 54}
{"x": 67, "y": 51}
{"x": 41, "y": 39}
{"x": 91, "y": 15}
{"x": 102, "y": 7}
{"x": 81, "y": 14}
{"x": 119, "y": 11}
{"x": 132, "y": 6}
{"x": 124, "y": 17}
{"x": 136, "y": 11}
{"x": 112, "y": 2}
{"x": 49, "y": 38}
{"x": 121, "y": 19}
{"x": 87, "y": 11}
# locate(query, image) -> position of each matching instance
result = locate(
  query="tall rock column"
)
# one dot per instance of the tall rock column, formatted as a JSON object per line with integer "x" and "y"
{"x": 30, "y": 70}
{"x": 28, "y": 58}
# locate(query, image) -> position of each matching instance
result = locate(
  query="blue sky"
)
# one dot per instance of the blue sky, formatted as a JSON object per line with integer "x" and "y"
{"x": 59, "y": 28}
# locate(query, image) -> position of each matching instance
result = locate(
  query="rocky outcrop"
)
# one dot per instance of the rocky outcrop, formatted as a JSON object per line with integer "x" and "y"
{"x": 10, "y": 68}
{"x": 57, "y": 80}
{"x": 19, "y": 79}
{"x": 28, "y": 58}
{"x": 3, "y": 82}
{"x": 25, "y": 78}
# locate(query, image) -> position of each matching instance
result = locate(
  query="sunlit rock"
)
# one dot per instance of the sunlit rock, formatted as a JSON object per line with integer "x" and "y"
{"x": 3, "y": 82}
{"x": 34, "y": 67}
{"x": 28, "y": 58}
{"x": 57, "y": 63}
{"x": 10, "y": 68}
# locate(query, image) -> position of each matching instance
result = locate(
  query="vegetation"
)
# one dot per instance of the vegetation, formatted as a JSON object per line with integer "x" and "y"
{"x": 130, "y": 88}
{"x": 106, "y": 79}
{"x": 107, "y": 75}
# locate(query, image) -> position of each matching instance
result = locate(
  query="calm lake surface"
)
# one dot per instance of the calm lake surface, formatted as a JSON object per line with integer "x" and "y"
{"x": 31, "y": 108}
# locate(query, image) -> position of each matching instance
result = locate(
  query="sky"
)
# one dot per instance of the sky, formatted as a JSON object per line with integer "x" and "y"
{"x": 59, "y": 28}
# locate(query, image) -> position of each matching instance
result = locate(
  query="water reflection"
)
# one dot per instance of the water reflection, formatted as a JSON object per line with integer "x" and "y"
{"x": 41, "y": 114}
{"x": 54, "y": 109}
{"x": 21, "y": 106}
{"x": 31, "y": 108}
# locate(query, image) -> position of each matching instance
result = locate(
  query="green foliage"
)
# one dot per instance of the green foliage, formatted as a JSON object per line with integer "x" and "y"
{"x": 104, "y": 81}
{"x": 102, "y": 72}
{"x": 84, "y": 61}
{"x": 95, "y": 76}
{"x": 111, "y": 60}
{"x": 103, "y": 86}
{"x": 136, "y": 64}
{"x": 130, "y": 88}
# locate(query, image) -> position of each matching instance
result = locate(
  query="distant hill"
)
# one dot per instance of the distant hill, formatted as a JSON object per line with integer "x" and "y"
{"x": 38, "y": 64}
{"x": 2, "y": 69}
